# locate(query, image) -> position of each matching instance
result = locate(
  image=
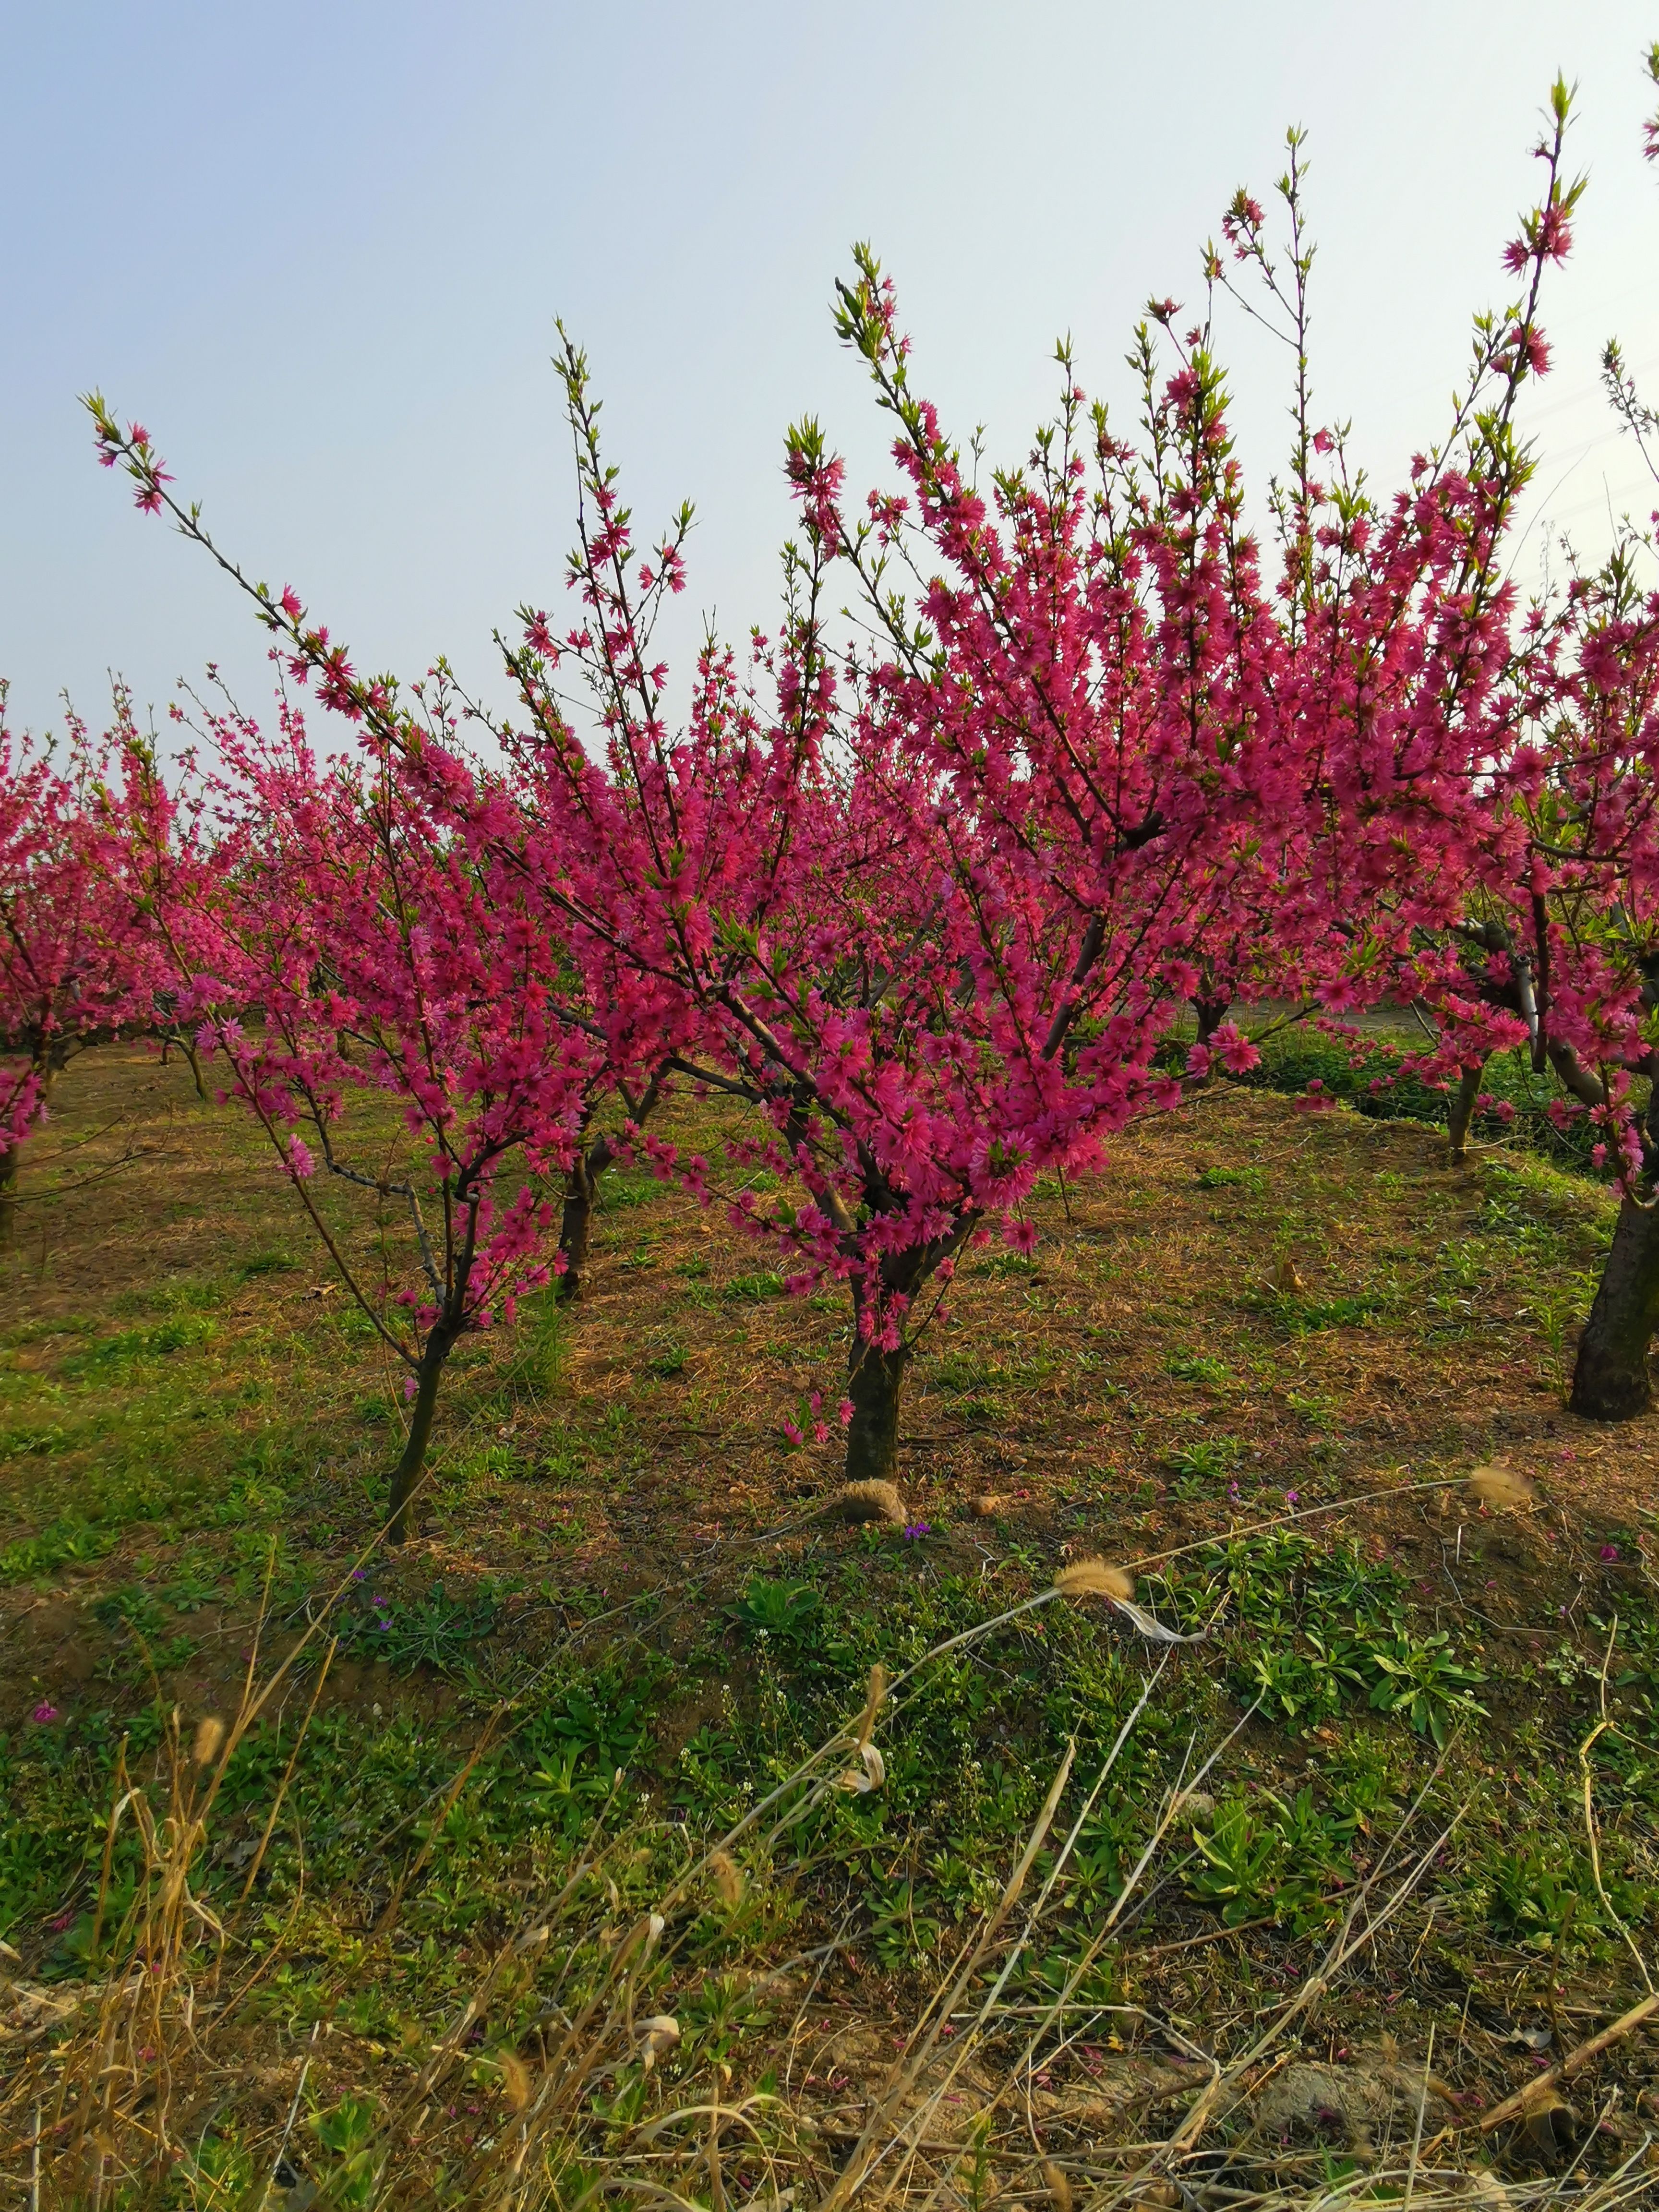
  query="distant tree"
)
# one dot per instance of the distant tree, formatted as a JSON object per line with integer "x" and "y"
{"x": 81, "y": 961}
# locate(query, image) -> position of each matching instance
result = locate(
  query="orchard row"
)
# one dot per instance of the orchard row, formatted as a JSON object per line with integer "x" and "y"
{"x": 1027, "y": 778}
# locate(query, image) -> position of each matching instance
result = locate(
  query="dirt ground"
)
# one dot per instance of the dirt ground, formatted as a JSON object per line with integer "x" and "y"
{"x": 1145, "y": 1321}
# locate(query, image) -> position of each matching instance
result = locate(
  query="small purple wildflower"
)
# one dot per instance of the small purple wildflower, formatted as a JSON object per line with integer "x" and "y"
{"x": 916, "y": 1529}
{"x": 46, "y": 1712}
{"x": 1609, "y": 1551}
{"x": 359, "y": 1574}
{"x": 1291, "y": 1497}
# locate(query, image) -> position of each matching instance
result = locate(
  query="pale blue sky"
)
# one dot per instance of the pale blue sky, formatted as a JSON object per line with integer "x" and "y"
{"x": 318, "y": 251}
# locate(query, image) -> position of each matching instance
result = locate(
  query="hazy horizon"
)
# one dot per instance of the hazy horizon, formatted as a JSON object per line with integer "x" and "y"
{"x": 319, "y": 256}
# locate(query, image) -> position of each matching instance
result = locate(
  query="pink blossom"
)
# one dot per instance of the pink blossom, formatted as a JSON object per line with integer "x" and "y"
{"x": 927, "y": 914}
{"x": 1239, "y": 1053}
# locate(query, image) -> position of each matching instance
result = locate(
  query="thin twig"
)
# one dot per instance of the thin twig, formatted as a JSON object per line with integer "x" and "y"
{"x": 1513, "y": 2107}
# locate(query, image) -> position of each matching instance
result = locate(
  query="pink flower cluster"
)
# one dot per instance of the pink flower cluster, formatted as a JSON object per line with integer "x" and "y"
{"x": 926, "y": 899}
{"x": 82, "y": 952}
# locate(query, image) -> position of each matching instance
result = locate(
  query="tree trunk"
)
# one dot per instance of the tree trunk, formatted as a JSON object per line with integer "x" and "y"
{"x": 875, "y": 1384}
{"x": 875, "y": 1379}
{"x": 406, "y": 1475}
{"x": 175, "y": 1039}
{"x": 1463, "y": 1107}
{"x": 1610, "y": 1379}
{"x": 576, "y": 1223}
{"x": 1211, "y": 1012}
{"x": 11, "y": 1161}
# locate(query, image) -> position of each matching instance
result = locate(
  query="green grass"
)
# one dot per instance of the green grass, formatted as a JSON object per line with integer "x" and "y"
{"x": 1365, "y": 1073}
{"x": 1309, "y": 1634}
{"x": 1198, "y": 1367}
{"x": 596, "y": 1640}
{"x": 766, "y": 1283}
{"x": 1230, "y": 1178}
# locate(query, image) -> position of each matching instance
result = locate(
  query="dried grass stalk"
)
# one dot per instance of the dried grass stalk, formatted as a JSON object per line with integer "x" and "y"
{"x": 1054, "y": 2181}
{"x": 875, "y": 1697}
{"x": 727, "y": 1877}
{"x": 866, "y": 1501}
{"x": 210, "y": 1736}
{"x": 1095, "y": 1578}
{"x": 1498, "y": 1485}
{"x": 515, "y": 2079}
{"x": 870, "y": 1774}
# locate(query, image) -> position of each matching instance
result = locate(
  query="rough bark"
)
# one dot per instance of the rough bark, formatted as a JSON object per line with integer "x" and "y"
{"x": 875, "y": 1379}
{"x": 194, "y": 1059}
{"x": 875, "y": 1384}
{"x": 1211, "y": 1012}
{"x": 576, "y": 1222}
{"x": 1463, "y": 1107}
{"x": 10, "y": 1163}
{"x": 406, "y": 1475}
{"x": 174, "y": 1040}
{"x": 580, "y": 1184}
{"x": 1610, "y": 1377}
